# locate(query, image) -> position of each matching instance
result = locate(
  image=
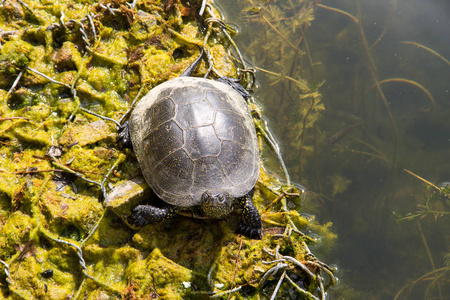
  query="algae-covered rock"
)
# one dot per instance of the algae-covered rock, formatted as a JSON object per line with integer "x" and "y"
{"x": 126, "y": 195}
{"x": 59, "y": 239}
{"x": 86, "y": 134}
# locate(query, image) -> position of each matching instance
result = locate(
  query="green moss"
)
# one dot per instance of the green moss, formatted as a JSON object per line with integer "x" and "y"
{"x": 65, "y": 107}
{"x": 143, "y": 24}
{"x": 156, "y": 65}
{"x": 35, "y": 131}
{"x": 110, "y": 263}
{"x": 15, "y": 230}
{"x": 166, "y": 276}
{"x": 49, "y": 214}
{"x": 26, "y": 277}
{"x": 64, "y": 260}
{"x": 15, "y": 55}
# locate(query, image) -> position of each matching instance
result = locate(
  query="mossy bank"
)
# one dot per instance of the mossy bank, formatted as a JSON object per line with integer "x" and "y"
{"x": 57, "y": 239}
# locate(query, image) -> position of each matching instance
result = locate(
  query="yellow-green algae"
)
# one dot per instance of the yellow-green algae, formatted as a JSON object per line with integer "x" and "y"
{"x": 44, "y": 204}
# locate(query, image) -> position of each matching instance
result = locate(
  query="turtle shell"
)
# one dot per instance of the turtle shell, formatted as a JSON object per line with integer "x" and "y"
{"x": 192, "y": 135}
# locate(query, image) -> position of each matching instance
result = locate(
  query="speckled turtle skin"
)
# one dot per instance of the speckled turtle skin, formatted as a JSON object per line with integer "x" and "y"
{"x": 195, "y": 137}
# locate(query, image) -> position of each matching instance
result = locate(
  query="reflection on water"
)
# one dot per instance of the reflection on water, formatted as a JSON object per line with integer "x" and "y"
{"x": 387, "y": 101}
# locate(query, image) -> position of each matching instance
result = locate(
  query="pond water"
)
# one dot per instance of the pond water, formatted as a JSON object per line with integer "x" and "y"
{"x": 360, "y": 104}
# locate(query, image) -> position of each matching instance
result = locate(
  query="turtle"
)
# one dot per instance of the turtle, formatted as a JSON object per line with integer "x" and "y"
{"x": 196, "y": 144}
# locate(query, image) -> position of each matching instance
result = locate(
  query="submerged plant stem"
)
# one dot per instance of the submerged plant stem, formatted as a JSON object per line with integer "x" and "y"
{"x": 385, "y": 29}
{"x": 409, "y": 287}
{"x": 427, "y": 49}
{"x": 414, "y": 83}
{"x": 300, "y": 84}
{"x": 422, "y": 179}
{"x": 425, "y": 244}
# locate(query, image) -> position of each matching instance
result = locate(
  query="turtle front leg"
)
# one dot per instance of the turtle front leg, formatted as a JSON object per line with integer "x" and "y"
{"x": 250, "y": 224}
{"x": 143, "y": 215}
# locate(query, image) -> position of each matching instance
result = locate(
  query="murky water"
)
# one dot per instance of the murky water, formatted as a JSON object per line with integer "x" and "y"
{"x": 386, "y": 94}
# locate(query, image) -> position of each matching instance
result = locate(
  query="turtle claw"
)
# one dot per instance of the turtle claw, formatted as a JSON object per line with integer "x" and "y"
{"x": 253, "y": 233}
{"x": 137, "y": 217}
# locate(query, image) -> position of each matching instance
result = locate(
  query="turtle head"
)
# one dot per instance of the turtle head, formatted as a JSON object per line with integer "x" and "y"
{"x": 216, "y": 206}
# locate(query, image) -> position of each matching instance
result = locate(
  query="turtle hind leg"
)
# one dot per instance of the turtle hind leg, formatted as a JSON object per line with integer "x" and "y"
{"x": 124, "y": 135}
{"x": 143, "y": 215}
{"x": 234, "y": 83}
{"x": 250, "y": 224}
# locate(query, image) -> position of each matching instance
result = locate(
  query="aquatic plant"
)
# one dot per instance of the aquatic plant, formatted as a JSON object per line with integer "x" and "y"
{"x": 371, "y": 68}
{"x": 282, "y": 60}
{"x": 437, "y": 280}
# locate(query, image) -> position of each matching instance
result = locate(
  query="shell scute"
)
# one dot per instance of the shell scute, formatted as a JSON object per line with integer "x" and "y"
{"x": 195, "y": 114}
{"x": 160, "y": 112}
{"x": 237, "y": 162}
{"x": 202, "y": 141}
{"x": 161, "y": 142}
{"x": 220, "y": 100}
{"x": 231, "y": 126}
{"x": 209, "y": 175}
{"x": 185, "y": 95}
{"x": 177, "y": 165}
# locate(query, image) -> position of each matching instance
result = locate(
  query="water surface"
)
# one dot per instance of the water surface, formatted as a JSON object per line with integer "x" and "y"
{"x": 354, "y": 155}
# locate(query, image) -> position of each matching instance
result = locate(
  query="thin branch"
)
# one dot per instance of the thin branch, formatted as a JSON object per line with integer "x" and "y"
{"x": 13, "y": 87}
{"x": 48, "y": 78}
{"x": 14, "y": 118}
